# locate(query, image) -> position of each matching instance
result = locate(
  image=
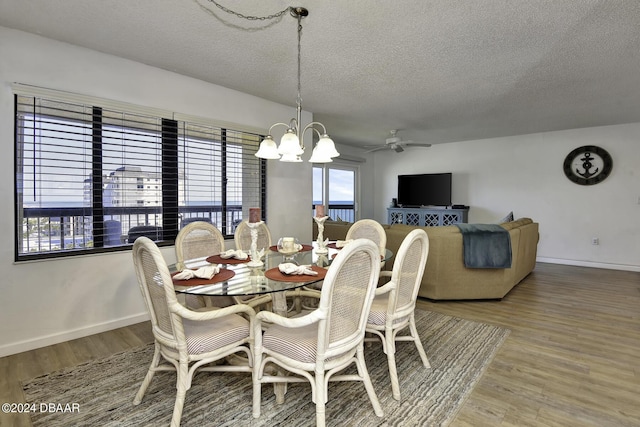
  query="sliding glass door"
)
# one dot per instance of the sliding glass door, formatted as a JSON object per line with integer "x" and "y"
{"x": 336, "y": 187}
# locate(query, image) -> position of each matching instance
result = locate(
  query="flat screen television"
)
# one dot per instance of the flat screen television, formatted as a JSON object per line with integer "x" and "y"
{"x": 433, "y": 189}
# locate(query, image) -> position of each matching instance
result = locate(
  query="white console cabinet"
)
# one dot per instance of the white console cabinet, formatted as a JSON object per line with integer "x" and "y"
{"x": 426, "y": 217}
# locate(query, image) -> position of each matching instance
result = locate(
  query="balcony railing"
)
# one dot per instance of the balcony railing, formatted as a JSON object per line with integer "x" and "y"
{"x": 343, "y": 211}
{"x": 68, "y": 228}
{"x": 52, "y": 229}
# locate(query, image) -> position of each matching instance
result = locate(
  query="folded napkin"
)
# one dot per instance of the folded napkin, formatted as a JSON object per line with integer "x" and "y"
{"x": 343, "y": 243}
{"x": 291, "y": 268}
{"x": 232, "y": 253}
{"x": 202, "y": 273}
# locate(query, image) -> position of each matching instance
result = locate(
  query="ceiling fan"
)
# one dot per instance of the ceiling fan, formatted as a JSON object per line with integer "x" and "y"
{"x": 395, "y": 143}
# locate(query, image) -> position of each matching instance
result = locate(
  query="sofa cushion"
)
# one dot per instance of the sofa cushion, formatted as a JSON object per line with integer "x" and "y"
{"x": 447, "y": 229}
{"x": 517, "y": 223}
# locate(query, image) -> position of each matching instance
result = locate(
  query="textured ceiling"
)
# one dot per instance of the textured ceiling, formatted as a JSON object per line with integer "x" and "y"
{"x": 439, "y": 70}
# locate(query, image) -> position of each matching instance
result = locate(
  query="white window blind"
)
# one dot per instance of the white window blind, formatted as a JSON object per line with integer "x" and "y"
{"x": 220, "y": 174}
{"x": 92, "y": 178}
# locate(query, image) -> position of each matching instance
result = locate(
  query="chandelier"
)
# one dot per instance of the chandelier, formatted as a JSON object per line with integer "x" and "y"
{"x": 292, "y": 142}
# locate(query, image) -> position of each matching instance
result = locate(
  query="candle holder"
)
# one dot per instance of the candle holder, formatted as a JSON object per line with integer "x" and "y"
{"x": 256, "y": 260}
{"x": 257, "y": 278}
{"x": 322, "y": 249}
{"x": 322, "y": 260}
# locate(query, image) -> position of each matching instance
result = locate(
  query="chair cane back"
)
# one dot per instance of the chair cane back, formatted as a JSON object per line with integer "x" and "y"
{"x": 198, "y": 240}
{"x": 369, "y": 229}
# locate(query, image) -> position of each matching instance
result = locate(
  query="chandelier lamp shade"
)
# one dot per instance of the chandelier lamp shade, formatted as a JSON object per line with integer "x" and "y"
{"x": 292, "y": 145}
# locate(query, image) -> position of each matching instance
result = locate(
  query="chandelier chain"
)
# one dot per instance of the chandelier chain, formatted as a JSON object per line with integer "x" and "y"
{"x": 249, "y": 17}
{"x": 299, "y": 101}
{"x": 292, "y": 142}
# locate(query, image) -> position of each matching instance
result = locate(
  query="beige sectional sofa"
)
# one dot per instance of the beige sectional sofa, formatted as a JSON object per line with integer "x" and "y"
{"x": 445, "y": 276}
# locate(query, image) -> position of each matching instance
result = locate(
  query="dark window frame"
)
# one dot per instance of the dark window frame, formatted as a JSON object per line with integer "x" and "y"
{"x": 170, "y": 210}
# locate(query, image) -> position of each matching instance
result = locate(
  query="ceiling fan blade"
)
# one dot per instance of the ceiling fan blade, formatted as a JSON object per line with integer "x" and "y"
{"x": 418, "y": 144}
{"x": 378, "y": 148}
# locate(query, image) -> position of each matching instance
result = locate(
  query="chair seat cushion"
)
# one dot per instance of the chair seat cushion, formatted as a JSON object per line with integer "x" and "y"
{"x": 378, "y": 313}
{"x": 300, "y": 344}
{"x": 206, "y": 336}
{"x": 196, "y": 302}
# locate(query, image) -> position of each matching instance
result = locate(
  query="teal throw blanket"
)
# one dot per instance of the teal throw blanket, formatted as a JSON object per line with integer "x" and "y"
{"x": 485, "y": 246}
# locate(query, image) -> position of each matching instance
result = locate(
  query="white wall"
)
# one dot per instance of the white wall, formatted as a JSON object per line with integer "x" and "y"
{"x": 45, "y": 302}
{"x": 524, "y": 174}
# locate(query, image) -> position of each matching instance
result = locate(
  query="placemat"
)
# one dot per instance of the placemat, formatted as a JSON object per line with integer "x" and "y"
{"x": 222, "y": 276}
{"x": 217, "y": 259}
{"x": 275, "y": 274}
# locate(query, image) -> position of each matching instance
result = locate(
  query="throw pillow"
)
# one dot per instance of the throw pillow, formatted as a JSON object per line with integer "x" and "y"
{"x": 507, "y": 218}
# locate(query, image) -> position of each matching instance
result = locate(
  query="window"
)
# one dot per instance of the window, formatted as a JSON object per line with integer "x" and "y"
{"x": 87, "y": 175}
{"x": 335, "y": 186}
{"x": 219, "y": 174}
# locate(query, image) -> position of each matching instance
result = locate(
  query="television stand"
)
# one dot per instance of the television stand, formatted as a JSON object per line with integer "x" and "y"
{"x": 427, "y": 216}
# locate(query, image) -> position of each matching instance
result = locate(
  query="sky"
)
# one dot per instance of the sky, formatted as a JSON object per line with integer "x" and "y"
{"x": 341, "y": 187}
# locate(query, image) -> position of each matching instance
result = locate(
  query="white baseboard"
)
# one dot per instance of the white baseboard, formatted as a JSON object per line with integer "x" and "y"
{"x": 19, "y": 347}
{"x": 590, "y": 264}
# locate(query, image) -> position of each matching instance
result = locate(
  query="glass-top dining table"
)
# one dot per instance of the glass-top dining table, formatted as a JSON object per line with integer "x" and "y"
{"x": 242, "y": 279}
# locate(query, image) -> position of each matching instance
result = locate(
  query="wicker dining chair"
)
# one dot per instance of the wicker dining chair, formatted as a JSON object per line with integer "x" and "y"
{"x": 188, "y": 340}
{"x": 198, "y": 240}
{"x": 362, "y": 229}
{"x": 395, "y": 302}
{"x": 369, "y": 229}
{"x": 317, "y": 346}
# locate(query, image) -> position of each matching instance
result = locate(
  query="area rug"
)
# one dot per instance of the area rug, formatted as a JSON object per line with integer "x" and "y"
{"x": 459, "y": 351}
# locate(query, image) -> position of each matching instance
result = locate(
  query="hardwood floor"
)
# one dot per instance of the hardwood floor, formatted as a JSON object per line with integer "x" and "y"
{"x": 573, "y": 355}
{"x": 30, "y": 364}
{"x": 572, "y": 358}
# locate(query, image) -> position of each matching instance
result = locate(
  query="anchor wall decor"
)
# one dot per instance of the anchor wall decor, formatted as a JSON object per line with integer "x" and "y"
{"x": 588, "y": 165}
